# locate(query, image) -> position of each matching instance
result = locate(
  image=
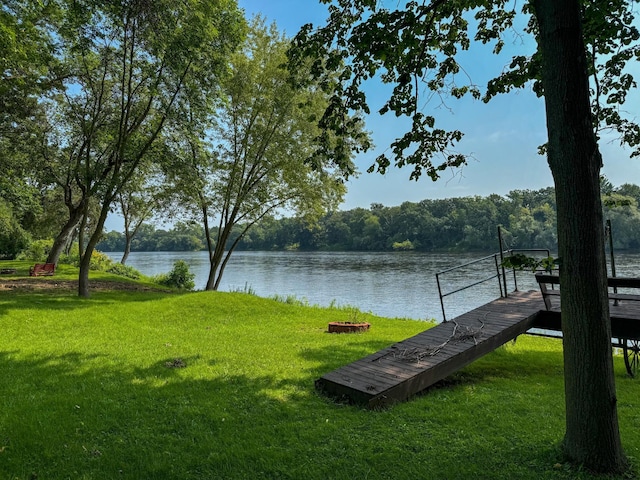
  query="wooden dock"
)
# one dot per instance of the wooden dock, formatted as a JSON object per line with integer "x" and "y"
{"x": 394, "y": 374}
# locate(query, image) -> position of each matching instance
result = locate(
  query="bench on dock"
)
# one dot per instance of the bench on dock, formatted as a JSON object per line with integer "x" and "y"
{"x": 42, "y": 269}
{"x": 549, "y": 282}
{"x": 624, "y": 313}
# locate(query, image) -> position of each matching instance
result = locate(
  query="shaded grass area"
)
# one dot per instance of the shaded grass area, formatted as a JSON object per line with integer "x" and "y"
{"x": 66, "y": 276}
{"x": 210, "y": 385}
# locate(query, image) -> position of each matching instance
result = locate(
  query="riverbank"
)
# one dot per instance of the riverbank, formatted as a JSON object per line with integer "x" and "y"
{"x": 214, "y": 385}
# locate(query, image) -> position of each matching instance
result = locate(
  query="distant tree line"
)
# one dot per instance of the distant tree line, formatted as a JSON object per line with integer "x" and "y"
{"x": 527, "y": 217}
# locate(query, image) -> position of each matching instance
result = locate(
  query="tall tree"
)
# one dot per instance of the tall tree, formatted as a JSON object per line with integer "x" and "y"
{"x": 416, "y": 47}
{"x": 144, "y": 197}
{"x": 255, "y": 157}
{"x": 575, "y": 162}
{"x": 128, "y": 66}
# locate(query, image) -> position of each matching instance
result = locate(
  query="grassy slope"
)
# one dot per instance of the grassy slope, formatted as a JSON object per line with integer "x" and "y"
{"x": 85, "y": 392}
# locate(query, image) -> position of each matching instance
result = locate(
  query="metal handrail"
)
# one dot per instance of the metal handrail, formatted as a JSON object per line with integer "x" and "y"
{"x": 499, "y": 275}
{"x": 469, "y": 286}
{"x": 438, "y": 274}
{"x": 502, "y": 277}
{"x": 478, "y": 260}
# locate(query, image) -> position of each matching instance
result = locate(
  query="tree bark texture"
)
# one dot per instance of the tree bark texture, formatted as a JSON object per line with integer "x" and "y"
{"x": 85, "y": 259}
{"x": 61, "y": 241}
{"x": 127, "y": 247}
{"x": 592, "y": 436}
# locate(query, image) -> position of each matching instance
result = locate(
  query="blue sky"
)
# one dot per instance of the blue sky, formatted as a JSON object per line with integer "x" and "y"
{"x": 502, "y": 136}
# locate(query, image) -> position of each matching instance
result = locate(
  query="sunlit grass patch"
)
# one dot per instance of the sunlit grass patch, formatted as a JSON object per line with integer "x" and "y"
{"x": 221, "y": 385}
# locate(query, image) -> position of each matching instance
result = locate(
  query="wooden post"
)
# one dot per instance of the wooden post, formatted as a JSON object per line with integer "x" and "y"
{"x": 504, "y": 276}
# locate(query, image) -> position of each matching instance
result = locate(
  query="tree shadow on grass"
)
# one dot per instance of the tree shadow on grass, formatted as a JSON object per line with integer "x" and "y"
{"x": 83, "y": 416}
{"x": 74, "y": 416}
{"x": 58, "y": 301}
{"x": 336, "y": 355}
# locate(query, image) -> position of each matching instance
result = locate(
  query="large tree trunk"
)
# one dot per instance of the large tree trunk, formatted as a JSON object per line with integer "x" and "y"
{"x": 216, "y": 263}
{"x": 592, "y": 437}
{"x": 128, "y": 235}
{"x": 127, "y": 248}
{"x": 61, "y": 241}
{"x": 85, "y": 259}
{"x": 212, "y": 248}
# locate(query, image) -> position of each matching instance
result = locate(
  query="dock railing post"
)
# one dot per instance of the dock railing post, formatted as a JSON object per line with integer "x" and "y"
{"x": 609, "y": 233}
{"x": 444, "y": 317}
{"x": 504, "y": 276}
{"x": 495, "y": 258}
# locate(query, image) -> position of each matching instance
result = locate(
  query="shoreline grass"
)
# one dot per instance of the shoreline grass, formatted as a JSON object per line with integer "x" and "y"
{"x": 215, "y": 385}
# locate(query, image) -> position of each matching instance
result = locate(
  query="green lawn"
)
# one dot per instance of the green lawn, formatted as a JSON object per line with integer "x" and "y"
{"x": 208, "y": 385}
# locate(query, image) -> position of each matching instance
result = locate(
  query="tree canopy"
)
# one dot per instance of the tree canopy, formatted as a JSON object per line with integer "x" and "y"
{"x": 125, "y": 69}
{"x": 417, "y": 48}
{"x": 257, "y": 153}
{"x": 527, "y": 219}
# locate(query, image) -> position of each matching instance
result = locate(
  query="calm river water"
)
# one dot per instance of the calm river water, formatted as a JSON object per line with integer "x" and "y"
{"x": 398, "y": 284}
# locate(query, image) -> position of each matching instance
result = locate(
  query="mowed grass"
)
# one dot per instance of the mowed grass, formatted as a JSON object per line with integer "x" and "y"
{"x": 211, "y": 385}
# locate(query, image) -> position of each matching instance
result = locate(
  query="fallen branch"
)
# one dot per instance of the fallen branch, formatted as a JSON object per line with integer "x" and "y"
{"x": 460, "y": 333}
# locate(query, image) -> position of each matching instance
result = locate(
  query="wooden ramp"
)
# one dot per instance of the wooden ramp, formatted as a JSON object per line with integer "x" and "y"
{"x": 406, "y": 368}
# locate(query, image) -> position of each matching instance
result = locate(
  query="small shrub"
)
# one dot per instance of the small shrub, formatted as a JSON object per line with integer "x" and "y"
{"x": 99, "y": 261}
{"x": 354, "y": 315}
{"x": 37, "y": 251}
{"x": 290, "y": 300}
{"x": 405, "y": 246}
{"x": 180, "y": 277}
{"x": 70, "y": 257}
{"x": 248, "y": 289}
{"x": 124, "y": 271}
